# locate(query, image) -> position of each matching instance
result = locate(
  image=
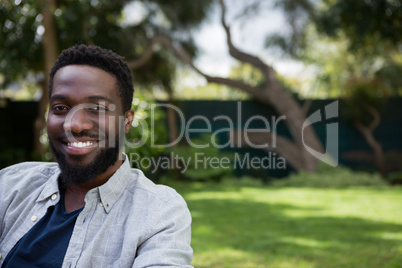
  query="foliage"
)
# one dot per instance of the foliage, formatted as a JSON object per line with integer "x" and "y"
{"x": 241, "y": 226}
{"x": 148, "y": 129}
{"x": 330, "y": 177}
{"x": 333, "y": 66}
{"x": 209, "y": 92}
{"x": 390, "y": 76}
{"x": 20, "y": 32}
{"x": 395, "y": 178}
{"x": 366, "y": 23}
{"x": 340, "y": 40}
{"x": 248, "y": 73}
{"x": 361, "y": 95}
{"x": 292, "y": 40}
{"x": 372, "y": 26}
{"x": 98, "y": 22}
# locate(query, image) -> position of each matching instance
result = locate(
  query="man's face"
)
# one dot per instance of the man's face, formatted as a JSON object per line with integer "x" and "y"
{"x": 86, "y": 123}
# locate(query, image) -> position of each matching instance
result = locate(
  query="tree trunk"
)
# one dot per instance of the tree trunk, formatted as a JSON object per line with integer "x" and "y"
{"x": 49, "y": 43}
{"x": 367, "y": 132}
{"x": 294, "y": 151}
{"x": 171, "y": 117}
{"x": 172, "y": 126}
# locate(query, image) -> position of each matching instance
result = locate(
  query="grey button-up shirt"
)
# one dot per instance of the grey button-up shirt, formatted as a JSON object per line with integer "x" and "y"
{"x": 127, "y": 222}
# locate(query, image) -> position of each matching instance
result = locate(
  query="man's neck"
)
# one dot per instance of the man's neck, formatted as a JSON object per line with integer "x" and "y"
{"x": 75, "y": 193}
{"x": 74, "y": 198}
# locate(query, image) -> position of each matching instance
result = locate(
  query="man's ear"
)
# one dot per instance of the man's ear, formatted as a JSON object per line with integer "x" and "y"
{"x": 128, "y": 120}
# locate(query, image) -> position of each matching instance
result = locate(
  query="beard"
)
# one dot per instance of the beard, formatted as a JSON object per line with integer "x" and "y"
{"x": 80, "y": 174}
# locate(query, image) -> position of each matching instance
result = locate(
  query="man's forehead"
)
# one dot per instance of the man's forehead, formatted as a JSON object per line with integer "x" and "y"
{"x": 85, "y": 80}
{"x": 74, "y": 71}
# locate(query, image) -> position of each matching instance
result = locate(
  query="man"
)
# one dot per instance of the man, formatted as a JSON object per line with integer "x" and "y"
{"x": 90, "y": 209}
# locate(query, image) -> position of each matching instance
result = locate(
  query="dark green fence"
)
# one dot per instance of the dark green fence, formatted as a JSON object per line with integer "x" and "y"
{"x": 354, "y": 151}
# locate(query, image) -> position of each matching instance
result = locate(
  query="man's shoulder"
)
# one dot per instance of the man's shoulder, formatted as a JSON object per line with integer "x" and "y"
{"x": 45, "y": 168}
{"x": 25, "y": 178}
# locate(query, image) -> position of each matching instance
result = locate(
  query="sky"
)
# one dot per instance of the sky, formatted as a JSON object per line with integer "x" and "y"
{"x": 248, "y": 36}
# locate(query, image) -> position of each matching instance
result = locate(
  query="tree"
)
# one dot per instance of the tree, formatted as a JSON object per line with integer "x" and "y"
{"x": 369, "y": 26}
{"x": 364, "y": 99}
{"x": 355, "y": 46}
{"x": 33, "y": 32}
{"x": 365, "y": 23}
{"x": 270, "y": 92}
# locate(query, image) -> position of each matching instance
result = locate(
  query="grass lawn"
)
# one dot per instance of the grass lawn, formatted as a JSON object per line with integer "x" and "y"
{"x": 260, "y": 226}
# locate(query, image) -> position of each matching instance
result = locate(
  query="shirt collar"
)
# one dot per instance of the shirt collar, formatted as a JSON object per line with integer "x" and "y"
{"x": 51, "y": 186}
{"x": 111, "y": 191}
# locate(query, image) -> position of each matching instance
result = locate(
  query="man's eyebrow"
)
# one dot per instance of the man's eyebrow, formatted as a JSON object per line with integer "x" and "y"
{"x": 58, "y": 97}
{"x": 96, "y": 97}
{"x": 64, "y": 97}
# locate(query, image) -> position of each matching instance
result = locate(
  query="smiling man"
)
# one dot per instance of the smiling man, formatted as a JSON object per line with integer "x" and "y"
{"x": 90, "y": 209}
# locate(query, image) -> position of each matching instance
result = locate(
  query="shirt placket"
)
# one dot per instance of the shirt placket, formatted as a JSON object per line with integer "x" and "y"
{"x": 79, "y": 235}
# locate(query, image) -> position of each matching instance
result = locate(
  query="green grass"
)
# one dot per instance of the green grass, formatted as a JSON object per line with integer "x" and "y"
{"x": 249, "y": 225}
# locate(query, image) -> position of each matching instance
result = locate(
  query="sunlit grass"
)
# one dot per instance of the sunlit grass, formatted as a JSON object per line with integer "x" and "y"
{"x": 259, "y": 226}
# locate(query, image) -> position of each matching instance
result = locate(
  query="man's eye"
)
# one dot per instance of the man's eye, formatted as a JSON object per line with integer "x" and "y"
{"x": 97, "y": 108}
{"x": 60, "y": 108}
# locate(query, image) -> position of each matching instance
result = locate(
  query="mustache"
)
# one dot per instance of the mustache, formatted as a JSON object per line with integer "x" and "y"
{"x": 85, "y": 133}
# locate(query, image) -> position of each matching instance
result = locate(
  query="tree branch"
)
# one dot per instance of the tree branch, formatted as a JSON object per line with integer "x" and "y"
{"x": 367, "y": 132}
{"x": 306, "y": 106}
{"x": 266, "y": 70}
{"x": 376, "y": 118}
{"x": 134, "y": 64}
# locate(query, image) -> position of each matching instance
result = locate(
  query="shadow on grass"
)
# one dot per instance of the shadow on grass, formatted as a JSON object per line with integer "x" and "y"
{"x": 267, "y": 234}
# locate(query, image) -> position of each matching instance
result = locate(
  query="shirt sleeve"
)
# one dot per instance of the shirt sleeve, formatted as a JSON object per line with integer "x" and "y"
{"x": 169, "y": 244}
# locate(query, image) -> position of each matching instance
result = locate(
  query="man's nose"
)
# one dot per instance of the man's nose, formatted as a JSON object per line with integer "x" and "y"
{"x": 77, "y": 121}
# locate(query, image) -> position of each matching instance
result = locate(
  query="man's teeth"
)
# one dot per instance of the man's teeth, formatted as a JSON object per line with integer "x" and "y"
{"x": 80, "y": 144}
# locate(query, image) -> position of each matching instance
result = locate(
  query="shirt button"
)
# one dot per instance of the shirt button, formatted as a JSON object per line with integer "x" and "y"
{"x": 54, "y": 197}
{"x": 100, "y": 204}
{"x": 34, "y": 218}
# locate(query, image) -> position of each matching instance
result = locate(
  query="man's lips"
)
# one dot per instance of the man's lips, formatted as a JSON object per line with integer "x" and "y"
{"x": 79, "y": 144}
{"x": 79, "y": 147}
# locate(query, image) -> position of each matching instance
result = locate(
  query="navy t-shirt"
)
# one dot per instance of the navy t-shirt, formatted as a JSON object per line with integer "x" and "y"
{"x": 45, "y": 245}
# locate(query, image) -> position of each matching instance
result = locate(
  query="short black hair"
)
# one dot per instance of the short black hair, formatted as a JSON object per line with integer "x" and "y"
{"x": 104, "y": 59}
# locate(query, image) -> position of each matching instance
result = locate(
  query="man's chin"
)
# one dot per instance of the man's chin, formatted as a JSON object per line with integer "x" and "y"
{"x": 80, "y": 169}
{"x": 83, "y": 173}
{"x": 82, "y": 161}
